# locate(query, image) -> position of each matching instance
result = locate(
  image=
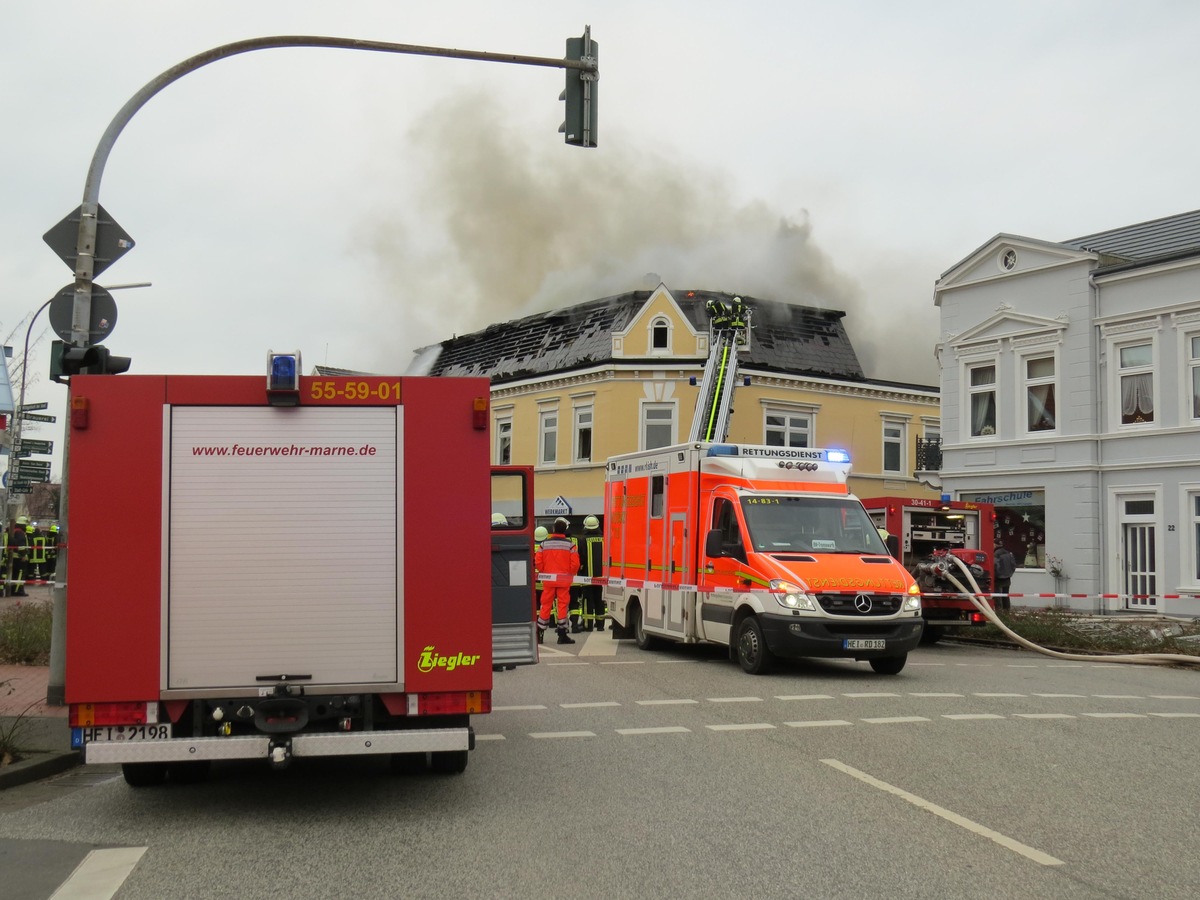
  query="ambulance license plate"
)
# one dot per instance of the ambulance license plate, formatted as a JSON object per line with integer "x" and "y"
{"x": 864, "y": 644}
{"x": 104, "y": 733}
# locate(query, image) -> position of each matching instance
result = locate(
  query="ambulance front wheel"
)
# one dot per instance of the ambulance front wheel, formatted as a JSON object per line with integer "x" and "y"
{"x": 889, "y": 665}
{"x": 753, "y": 654}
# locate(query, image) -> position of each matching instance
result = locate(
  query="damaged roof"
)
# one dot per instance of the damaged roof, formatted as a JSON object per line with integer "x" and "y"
{"x": 787, "y": 338}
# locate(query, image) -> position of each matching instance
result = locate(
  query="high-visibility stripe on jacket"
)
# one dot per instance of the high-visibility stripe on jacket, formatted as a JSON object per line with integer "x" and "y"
{"x": 591, "y": 559}
{"x": 557, "y": 556}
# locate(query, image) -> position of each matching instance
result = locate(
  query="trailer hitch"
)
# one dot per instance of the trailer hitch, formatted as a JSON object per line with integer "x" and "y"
{"x": 279, "y": 753}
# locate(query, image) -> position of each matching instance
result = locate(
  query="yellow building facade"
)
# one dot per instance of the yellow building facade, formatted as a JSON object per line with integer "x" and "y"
{"x": 574, "y": 387}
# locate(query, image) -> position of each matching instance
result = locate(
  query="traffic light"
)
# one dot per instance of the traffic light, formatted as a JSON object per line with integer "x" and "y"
{"x": 579, "y": 124}
{"x": 66, "y": 361}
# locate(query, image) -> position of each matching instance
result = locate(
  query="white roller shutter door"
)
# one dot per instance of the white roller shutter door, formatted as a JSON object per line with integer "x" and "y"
{"x": 283, "y": 545}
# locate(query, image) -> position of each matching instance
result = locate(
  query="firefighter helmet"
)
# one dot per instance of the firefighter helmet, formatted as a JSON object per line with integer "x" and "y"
{"x": 591, "y": 523}
{"x": 22, "y": 520}
{"x": 540, "y": 533}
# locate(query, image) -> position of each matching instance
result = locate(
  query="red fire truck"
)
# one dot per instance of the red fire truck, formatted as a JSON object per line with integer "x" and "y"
{"x": 927, "y": 530}
{"x": 301, "y": 570}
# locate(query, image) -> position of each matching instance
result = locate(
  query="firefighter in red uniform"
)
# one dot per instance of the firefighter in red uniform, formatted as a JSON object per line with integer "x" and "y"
{"x": 557, "y": 556}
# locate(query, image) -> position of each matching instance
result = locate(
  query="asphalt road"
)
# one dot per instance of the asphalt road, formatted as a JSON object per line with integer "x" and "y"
{"x": 610, "y": 772}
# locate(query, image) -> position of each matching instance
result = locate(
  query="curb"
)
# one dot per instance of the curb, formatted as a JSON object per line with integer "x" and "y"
{"x": 38, "y": 765}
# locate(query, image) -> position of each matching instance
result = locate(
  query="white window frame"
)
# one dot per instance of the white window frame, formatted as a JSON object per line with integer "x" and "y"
{"x": 900, "y": 440}
{"x": 655, "y": 323}
{"x": 1191, "y": 383}
{"x": 1118, "y": 373}
{"x": 583, "y": 417}
{"x": 504, "y": 436}
{"x": 969, "y": 392}
{"x": 644, "y": 408}
{"x": 1027, "y": 384}
{"x": 547, "y": 430}
{"x": 1190, "y": 557}
{"x": 788, "y": 413}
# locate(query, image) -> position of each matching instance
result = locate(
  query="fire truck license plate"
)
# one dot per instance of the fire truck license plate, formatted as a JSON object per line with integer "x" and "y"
{"x": 863, "y": 644}
{"x": 100, "y": 733}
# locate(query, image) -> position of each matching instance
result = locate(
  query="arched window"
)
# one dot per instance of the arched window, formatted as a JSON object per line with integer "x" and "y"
{"x": 660, "y": 335}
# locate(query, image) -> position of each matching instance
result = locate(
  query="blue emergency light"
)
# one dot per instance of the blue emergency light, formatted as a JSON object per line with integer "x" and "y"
{"x": 837, "y": 456}
{"x": 283, "y": 378}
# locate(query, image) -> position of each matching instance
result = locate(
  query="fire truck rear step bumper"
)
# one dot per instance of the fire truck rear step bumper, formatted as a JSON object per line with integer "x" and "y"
{"x": 257, "y": 747}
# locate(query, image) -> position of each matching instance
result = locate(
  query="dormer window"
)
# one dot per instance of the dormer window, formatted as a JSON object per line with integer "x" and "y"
{"x": 660, "y": 336}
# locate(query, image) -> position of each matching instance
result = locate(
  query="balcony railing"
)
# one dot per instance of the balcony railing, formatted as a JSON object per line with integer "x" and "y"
{"x": 929, "y": 454}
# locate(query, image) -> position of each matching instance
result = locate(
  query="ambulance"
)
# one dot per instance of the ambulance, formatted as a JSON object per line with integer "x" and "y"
{"x": 271, "y": 571}
{"x": 762, "y": 549}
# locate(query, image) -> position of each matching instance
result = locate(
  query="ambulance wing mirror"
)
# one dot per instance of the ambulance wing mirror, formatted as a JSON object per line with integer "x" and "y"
{"x": 713, "y": 545}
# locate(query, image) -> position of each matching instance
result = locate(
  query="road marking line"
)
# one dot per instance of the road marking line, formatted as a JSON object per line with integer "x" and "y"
{"x": 870, "y": 694}
{"x": 1008, "y": 843}
{"x": 561, "y": 734}
{"x": 816, "y": 723}
{"x": 625, "y": 662}
{"x": 100, "y": 875}
{"x": 735, "y": 699}
{"x": 1042, "y": 716}
{"x": 1173, "y": 697}
{"x": 665, "y": 702}
{"x": 598, "y": 643}
{"x": 804, "y": 697}
{"x": 1118, "y": 697}
{"x": 997, "y": 695}
{"x": 669, "y": 729}
{"x": 589, "y": 705}
{"x": 935, "y": 695}
{"x": 489, "y": 737}
{"x": 1060, "y": 696}
{"x": 516, "y": 708}
{"x": 1115, "y": 715}
{"x": 749, "y": 726}
{"x": 972, "y": 716}
{"x": 1177, "y": 715}
{"x": 896, "y": 720}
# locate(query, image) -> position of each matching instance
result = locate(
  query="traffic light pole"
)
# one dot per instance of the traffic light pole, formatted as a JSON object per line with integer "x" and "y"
{"x": 86, "y": 247}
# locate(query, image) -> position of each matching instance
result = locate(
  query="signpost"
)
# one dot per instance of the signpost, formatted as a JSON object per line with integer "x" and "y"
{"x": 35, "y": 417}
{"x": 33, "y": 407}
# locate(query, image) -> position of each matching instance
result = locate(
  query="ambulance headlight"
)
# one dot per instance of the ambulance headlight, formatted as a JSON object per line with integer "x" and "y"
{"x": 913, "y": 602}
{"x": 790, "y": 596}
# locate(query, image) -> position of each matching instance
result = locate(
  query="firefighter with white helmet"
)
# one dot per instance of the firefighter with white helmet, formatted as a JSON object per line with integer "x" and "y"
{"x": 591, "y": 565}
{"x": 499, "y": 520}
{"x": 557, "y": 556}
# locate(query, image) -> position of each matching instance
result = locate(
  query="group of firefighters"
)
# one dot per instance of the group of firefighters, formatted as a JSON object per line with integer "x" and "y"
{"x": 572, "y": 608}
{"x": 29, "y": 554}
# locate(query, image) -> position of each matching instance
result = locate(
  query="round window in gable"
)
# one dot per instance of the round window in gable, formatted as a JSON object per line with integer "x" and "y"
{"x": 1008, "y": 259}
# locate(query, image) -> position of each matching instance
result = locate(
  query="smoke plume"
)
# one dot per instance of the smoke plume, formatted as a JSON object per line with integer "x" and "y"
{"x": 502, "y": 230}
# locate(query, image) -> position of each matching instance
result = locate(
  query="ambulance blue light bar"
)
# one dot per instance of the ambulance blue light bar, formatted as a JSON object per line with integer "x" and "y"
{"x": 801, "y": 453}
{"x": 283, "y": 378}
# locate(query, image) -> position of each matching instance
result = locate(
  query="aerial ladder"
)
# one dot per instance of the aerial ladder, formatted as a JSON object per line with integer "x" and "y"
{"x": 729, "y": 323}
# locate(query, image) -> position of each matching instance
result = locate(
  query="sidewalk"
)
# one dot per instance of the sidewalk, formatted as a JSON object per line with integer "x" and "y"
{"x": 41, "y": 731}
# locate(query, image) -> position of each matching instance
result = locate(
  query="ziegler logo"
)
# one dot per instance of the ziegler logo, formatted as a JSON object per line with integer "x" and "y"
{"x": 430, "y": 660}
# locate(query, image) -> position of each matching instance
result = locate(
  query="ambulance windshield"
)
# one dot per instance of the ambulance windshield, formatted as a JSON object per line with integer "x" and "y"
{"x": 784, "y": 524}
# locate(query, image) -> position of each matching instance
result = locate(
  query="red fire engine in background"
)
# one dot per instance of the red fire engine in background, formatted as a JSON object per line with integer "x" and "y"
{"x": 926, "y": 530}
{"x": 300, "y": 571}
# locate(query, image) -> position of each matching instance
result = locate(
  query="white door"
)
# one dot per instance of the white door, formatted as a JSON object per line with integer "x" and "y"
{"x": 1138, "y": 559}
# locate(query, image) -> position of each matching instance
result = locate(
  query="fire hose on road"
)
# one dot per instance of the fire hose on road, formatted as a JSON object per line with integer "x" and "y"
{"x": 978, "y": 599}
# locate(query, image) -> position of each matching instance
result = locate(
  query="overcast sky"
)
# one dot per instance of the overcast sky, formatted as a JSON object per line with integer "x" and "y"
{"x": 359, "y": 205}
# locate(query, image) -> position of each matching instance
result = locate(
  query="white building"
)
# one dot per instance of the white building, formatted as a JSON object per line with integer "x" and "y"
{"x": 1070, "y": 386}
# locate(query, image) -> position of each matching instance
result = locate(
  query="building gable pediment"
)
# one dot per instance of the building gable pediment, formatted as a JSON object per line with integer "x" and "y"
{"x": 1008, "y": 256}
{"x": 1005, "y": 323}
{"x": 632, "y": 341}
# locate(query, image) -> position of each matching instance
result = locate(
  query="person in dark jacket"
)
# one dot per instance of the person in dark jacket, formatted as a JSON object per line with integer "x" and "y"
{"x": 591, "y": 565}
{"x": 1004, "y": 564}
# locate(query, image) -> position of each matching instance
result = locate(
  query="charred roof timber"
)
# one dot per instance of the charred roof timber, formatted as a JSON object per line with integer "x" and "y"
{"x": 787, "y": 338}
